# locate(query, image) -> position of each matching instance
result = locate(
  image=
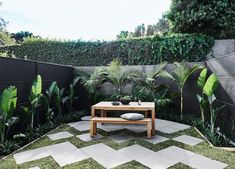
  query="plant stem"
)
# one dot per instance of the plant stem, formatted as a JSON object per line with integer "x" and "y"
{"x": 203, "y": 117}
{"x": 3, "y": 130}
{"x": 211, "y": 119}
{"x": 182, "y": 103}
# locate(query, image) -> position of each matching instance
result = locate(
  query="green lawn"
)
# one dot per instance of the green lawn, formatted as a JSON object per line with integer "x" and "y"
{"x": 48, "y": 163}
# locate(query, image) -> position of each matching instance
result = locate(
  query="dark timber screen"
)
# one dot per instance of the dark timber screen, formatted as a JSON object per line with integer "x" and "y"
{"x": 21, "y": 73}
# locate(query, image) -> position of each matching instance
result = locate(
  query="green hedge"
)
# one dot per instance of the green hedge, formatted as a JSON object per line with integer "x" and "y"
{"x": 149, "y": 50}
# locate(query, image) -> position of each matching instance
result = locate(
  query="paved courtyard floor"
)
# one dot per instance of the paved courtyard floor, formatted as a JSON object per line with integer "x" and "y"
{"x": 121, "y": 146}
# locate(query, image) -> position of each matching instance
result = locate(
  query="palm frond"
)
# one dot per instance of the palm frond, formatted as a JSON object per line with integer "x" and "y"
{"x": 182, "y": 72}
{"x": 160, "y": 67}
{"x": 83, "y": 74}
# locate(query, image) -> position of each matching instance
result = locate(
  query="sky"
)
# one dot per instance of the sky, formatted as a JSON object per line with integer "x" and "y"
{"x": 80, "y": 19}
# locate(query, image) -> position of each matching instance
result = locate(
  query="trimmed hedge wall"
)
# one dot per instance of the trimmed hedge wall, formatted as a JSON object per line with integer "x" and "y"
{"x": 148, "y": 50}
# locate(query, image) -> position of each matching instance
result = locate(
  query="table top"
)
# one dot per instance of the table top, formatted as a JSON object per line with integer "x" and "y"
{"x": 130, "y": 106}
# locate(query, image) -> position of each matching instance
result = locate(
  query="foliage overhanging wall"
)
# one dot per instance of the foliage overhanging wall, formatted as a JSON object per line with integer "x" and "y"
{"x": 149, "y": 50}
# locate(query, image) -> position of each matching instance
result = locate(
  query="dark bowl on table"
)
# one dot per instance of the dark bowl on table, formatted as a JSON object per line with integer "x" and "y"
{"x": 125, "y": 101}
{"x": 115, "y": 103}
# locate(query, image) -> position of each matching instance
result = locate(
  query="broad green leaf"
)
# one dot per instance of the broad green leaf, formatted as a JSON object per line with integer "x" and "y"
{"x": 202, "y": 78}
{"x": 51, "y": 88}
{"x": 37, "y": 86}
{"x": 8, "y": 99}
{"x": 211, "y": 85}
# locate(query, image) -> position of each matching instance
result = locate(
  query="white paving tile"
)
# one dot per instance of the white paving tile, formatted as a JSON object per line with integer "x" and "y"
{"x": 69, "y": 157}
{"x": 156, "y": 139}
{"x": 30, "y": 155}
{"x": 169, "y": 126}
{"x": 112, "y": 159}
{"x": 136, "y": 128}
{"x": 217, "y": 164}
{"x": 180, "y": 126}
{"x": 97, "y": 150}
{"x": 188, "y": 140}
{"x": 157, "y": 161}
{"x": 167, "y": 129}
{"x": 177, "y": 153}
{"x": 121, "y": 137}
{"x": 201, "y": 162}
{"x": 86, "y": 118}
{"x": 160, "y": 122}
{"x": 87, "y": 137}
{"x": 136, "y": 151}
{"x": 34, "y": 167}
{"x": 59, "y": 135}
{"x": 60, "y": 148}
{"x": 110, "y": 127}
{"x": 81, "y": 125}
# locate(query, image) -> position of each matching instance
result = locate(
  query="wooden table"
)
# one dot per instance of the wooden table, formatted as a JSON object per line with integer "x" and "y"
{"x": 147, "y": 107}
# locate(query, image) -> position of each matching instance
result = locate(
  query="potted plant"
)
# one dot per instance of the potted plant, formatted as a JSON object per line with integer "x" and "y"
{"x": 125, "y": 100}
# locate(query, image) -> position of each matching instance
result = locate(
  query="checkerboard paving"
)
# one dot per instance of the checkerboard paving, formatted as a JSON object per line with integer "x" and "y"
{"x": 109, "y": 157}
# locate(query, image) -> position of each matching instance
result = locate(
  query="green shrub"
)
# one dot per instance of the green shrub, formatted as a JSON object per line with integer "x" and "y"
{"x": 148, "y": 50}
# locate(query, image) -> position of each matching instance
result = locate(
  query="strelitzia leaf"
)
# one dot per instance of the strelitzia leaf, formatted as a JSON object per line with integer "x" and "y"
{"x": 8, "y": 99}
{"x": 36, "y": 88}
{"x": 202, "y": 78}
{"x": 211, "y": 85}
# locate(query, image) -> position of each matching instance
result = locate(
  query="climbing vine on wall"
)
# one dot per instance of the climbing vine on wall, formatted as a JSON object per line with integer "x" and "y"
{"x": 148, "y": 50}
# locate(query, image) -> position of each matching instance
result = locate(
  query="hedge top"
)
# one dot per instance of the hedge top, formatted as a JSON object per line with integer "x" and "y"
{"x": 141, "y": 51}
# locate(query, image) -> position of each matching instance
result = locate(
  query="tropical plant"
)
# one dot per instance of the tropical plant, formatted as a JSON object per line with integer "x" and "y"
{"x": 180, "y": 75}
{"x": 209, "y": 89}
{"x": 119, "y": 77}
{"x": 92, "y": 82}
{"x": 54, "y": 95}
{"x": 8, "y": 146}
{"x": 149, "y": 81}
{"x": 8, "y": 101}
{"x": 148, "y": 89}
{"x": 35, "y": 98}
{"x": 203, "y": 103}
{"x": 213, "y": 137}
{"x": 69, "y": 99}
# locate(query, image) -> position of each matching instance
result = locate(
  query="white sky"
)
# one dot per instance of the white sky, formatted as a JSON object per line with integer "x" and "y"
{"x": 80, "y": 19}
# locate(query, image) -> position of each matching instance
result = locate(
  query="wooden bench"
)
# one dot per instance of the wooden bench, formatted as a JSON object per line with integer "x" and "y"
{"x": 115, "y": 120}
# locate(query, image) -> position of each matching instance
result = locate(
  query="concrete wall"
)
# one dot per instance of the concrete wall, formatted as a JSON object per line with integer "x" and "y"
{"x": 221, "y": 48}
{"x": 221, "y": 61}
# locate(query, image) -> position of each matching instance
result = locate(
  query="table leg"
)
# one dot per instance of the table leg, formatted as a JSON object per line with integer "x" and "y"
{"x": 146, "y": 114}
{"x": 91, "y": 128}
{"x": 149, "y": 131}
{"x": 102, "y": 113}
{"x": 153, "y": 122}
{"x": 92, "y": 112}
{"x": 95, "y": 129}
{"x": 105, "y": 113}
